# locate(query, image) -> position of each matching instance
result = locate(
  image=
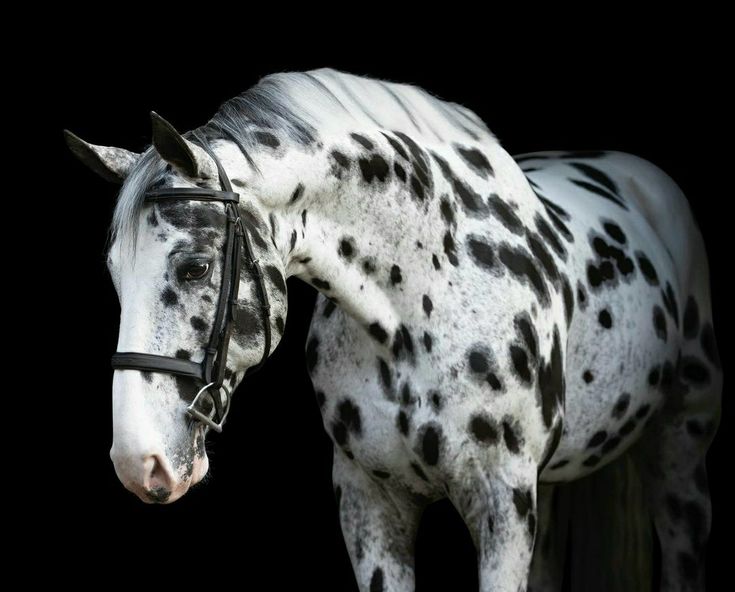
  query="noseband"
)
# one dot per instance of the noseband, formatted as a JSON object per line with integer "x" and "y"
{"x": 210, "y": 372}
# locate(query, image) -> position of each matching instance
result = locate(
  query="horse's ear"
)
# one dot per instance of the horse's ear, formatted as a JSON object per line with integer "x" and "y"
{"x": 110, "y": 163}
{"x": 186, "y": 156}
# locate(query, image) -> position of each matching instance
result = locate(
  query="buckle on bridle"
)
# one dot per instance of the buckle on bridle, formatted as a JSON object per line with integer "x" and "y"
{"x": 208, "y": 420}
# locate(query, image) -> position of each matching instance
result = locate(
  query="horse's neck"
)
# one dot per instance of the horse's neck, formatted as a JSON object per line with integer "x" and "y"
{"x": 351, "y": 226}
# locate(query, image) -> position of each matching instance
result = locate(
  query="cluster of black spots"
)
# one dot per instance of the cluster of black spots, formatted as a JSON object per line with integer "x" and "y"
{"x": 558, "y": 216}
{"x": 169, "y": 297}
{"x": 346, "y": 422}
{"x": 428, "y": 341}
{"x": 694, "y": 372}
{"x": 377, "y": 332}
{"x": 312, "y": 353}
{"x": 420, "y": 179}
{"x": 587, "y": 376}
{"x": 605, "y": 318}
{"x": 450, "y": 248}
{"x": 276, "y": 278}
{"x": 477, "y": 161}
{"x": 482, "y": 365}
{"x": 568, "y": 296}
{"x": 647, "y": 268}
{"x": 709, "y": 345}
{"x": 198, "y": 323}
{"x": 363, "y": 141}
{"x": 512, "y": 435}
{"x": 329, "y": 307}
{"x": 550, "y": 236}
{"x": 374, "y": 167}
{"x": 427, "y": 305}
{"x": 395, "y": 275}
{"x": 435, "y": 262}
{"x": 669, "y": 299}
{"x": 481, "y": 253}
{"x": 483, "y": 429}
{"x": 659, "y": 322}
{"x": 507, "y": 217}
{"x": 551, "y": 382}
{"x": 403, "y": 343}
{"x": 541, "y": 253}
{"x": 598, "y": 183}
{"x": 191, "y": 215}
{"x": 519, "y": 262}
{"x": 470, "y": 200}
{"x": 431, "y": 443}
{"x": 621, "y": 406}
{"x": 297, "y": 193}
{"x": 436, "y": 401}
{"x": 691, "y": 319}
{"x": 523, "y": 501}
{"x": 611, "y": 261}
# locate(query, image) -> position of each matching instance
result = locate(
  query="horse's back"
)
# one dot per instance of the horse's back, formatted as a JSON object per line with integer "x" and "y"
{"x": 656, "y": 209}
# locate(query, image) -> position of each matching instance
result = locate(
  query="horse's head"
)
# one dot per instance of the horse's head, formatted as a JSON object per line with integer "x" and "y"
{"x": 168, "y": 261}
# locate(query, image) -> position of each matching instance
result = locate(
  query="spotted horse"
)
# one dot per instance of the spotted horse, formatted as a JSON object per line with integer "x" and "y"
{"x": 486, "y": 326}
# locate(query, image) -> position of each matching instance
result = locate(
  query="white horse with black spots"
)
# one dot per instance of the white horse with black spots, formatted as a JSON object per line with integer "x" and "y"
{"x": 486, "y": 326}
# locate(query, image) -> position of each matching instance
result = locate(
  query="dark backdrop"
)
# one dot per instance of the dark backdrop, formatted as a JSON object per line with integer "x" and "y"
{"x": 270, "y": 492}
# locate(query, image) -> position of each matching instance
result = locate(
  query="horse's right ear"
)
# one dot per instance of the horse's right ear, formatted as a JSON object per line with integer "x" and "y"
{"x": 110, "y": 163}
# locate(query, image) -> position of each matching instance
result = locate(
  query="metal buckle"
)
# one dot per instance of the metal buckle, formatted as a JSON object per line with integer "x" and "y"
{"x": 206, "y": 419}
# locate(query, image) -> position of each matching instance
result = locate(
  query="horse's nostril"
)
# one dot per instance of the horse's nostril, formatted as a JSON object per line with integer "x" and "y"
{"x": 158, "y": 479}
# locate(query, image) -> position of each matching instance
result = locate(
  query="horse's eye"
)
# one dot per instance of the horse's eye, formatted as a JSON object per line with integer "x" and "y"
{"x": 195, "y": 271}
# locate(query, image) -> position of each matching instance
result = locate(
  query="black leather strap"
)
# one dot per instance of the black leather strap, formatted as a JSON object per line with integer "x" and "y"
{"x": 194, "y": 193}
{"x": 154, "y": 363}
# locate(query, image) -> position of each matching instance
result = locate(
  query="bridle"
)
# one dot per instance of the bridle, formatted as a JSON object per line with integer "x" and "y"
{"x": 211, "y": 370}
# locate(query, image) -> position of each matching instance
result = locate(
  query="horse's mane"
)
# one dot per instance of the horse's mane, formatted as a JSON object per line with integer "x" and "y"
{"x": 305, "y": 107}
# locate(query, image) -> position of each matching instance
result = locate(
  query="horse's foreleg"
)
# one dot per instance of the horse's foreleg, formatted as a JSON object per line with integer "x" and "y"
{"x": 499, "y": 509}
{"x": 379, "y": 527}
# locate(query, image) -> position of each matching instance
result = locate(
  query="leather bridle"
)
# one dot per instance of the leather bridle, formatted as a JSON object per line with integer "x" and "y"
{"x": 211, "y": 370}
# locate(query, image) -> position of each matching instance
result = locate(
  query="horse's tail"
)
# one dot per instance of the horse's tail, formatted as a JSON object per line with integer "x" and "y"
{"x": 595, "y": 532}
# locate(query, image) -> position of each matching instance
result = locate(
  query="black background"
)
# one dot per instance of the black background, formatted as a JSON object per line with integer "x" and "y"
{"x": 269, "y": 492}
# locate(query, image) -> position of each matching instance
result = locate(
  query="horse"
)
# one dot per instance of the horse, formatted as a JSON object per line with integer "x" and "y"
{"x": 488, "y": 328}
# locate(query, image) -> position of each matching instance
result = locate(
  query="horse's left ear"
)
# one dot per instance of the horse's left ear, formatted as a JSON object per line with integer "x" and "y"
{"x": 111, "y": 163}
